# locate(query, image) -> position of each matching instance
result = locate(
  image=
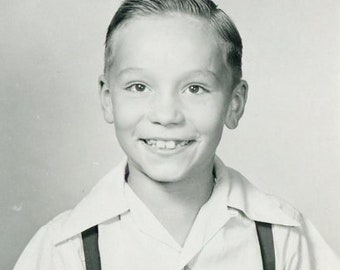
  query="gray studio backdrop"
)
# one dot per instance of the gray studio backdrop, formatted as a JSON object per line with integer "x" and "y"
{"x": 55, "y": 145}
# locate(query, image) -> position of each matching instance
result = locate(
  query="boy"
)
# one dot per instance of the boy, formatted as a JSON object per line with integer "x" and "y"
{"x": 172, "y": 81}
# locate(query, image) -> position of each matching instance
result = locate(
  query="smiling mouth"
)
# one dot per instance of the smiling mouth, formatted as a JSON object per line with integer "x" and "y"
{"x": 167, "y": 144}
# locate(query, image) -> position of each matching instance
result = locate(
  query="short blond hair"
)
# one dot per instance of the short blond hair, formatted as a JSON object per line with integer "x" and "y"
{"x": 207, "y": 9}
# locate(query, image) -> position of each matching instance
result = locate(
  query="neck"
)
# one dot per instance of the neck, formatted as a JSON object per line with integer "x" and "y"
{"x": 175, "y": 204}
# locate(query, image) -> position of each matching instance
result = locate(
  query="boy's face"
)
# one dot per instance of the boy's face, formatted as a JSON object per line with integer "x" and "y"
{"x": 169, "y": 94}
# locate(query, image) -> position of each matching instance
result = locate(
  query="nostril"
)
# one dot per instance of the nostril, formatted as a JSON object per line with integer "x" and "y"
{"x": 166, "y": 116}
{"x": 165, "y": 109}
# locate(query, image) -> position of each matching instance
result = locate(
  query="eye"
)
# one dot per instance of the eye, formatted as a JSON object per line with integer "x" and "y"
{"x": 195, "y": 89}
{"x": 137, "y": 87}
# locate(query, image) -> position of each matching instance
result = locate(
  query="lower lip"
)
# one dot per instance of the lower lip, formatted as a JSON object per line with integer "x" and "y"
{"x": 166, "y": 151}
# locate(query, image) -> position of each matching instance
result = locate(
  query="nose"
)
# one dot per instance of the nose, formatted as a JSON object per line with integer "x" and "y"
{"x": 165, "y": 110}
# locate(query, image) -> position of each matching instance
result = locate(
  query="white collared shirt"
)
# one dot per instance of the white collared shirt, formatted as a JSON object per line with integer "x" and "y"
{"x": 223, "y": 235}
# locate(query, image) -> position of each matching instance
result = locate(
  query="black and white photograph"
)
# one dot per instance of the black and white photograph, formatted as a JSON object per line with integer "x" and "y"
{"x": 169, "y": 134}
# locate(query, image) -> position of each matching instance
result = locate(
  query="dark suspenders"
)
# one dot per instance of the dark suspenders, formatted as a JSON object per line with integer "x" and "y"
{"x": 91, "y": 250}
{"x": 264, "y": 234}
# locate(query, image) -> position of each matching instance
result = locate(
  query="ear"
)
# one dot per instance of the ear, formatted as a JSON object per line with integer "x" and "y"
{"x": 105, "y": 99}
{"x": 236, "y": 104}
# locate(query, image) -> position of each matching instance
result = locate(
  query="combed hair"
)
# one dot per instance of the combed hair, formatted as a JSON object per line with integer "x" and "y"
{"x": 206, "y": 9}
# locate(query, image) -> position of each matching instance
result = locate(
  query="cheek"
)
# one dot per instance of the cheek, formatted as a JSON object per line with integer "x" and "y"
{"x": 125, "y": 121}
{"x": 209, "y": 119}
{"x": 127, "y": 113}
{"x": 213, "y": 127}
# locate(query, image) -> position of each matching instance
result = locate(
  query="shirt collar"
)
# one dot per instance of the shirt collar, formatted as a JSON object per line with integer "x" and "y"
{"x": 106, "y": 201}
{"x": 256, "y": 205}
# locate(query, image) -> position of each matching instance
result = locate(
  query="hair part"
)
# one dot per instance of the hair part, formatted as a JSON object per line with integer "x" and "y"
{"x": 207, "y": 9}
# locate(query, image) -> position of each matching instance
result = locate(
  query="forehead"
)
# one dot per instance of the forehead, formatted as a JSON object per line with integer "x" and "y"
{"x": 173, "y": 41}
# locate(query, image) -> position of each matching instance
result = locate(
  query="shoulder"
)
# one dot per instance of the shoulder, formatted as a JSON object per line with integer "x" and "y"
{"x": 53, "y": 228}
{"x": 46, "y": 234}
{"x": 287, "y": 208}
{"x": 242, "y": 195}
{"x": 41, "y": 252}
{"x": 58, "y": 242}
{"x": 297, "y": 242}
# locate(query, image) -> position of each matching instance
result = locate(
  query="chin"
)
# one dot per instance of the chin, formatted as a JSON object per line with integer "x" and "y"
{"x": 166, "y": 173}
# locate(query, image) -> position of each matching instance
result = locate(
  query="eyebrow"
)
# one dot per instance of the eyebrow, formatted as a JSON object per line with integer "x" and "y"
{"x": 192, "y": 73}
{"x": 204, "y": 73}
{"x": 129, "y": 70}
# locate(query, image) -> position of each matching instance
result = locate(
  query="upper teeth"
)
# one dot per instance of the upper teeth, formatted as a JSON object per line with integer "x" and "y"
{"x": 165, "y": 144}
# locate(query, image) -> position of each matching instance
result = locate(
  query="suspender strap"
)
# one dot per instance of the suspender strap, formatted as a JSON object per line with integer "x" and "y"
{"x": 264, "y": 233}
{"x": 91, "y": 250}
{"x": 265, "y": 236}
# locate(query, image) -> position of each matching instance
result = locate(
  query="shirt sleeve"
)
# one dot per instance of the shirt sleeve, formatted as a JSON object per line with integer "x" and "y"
{"x": 322, "y": 256}
{"x": 43, "y": 253}
{"x": 39, "y": 253}
{"x": 303, "y": 248}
